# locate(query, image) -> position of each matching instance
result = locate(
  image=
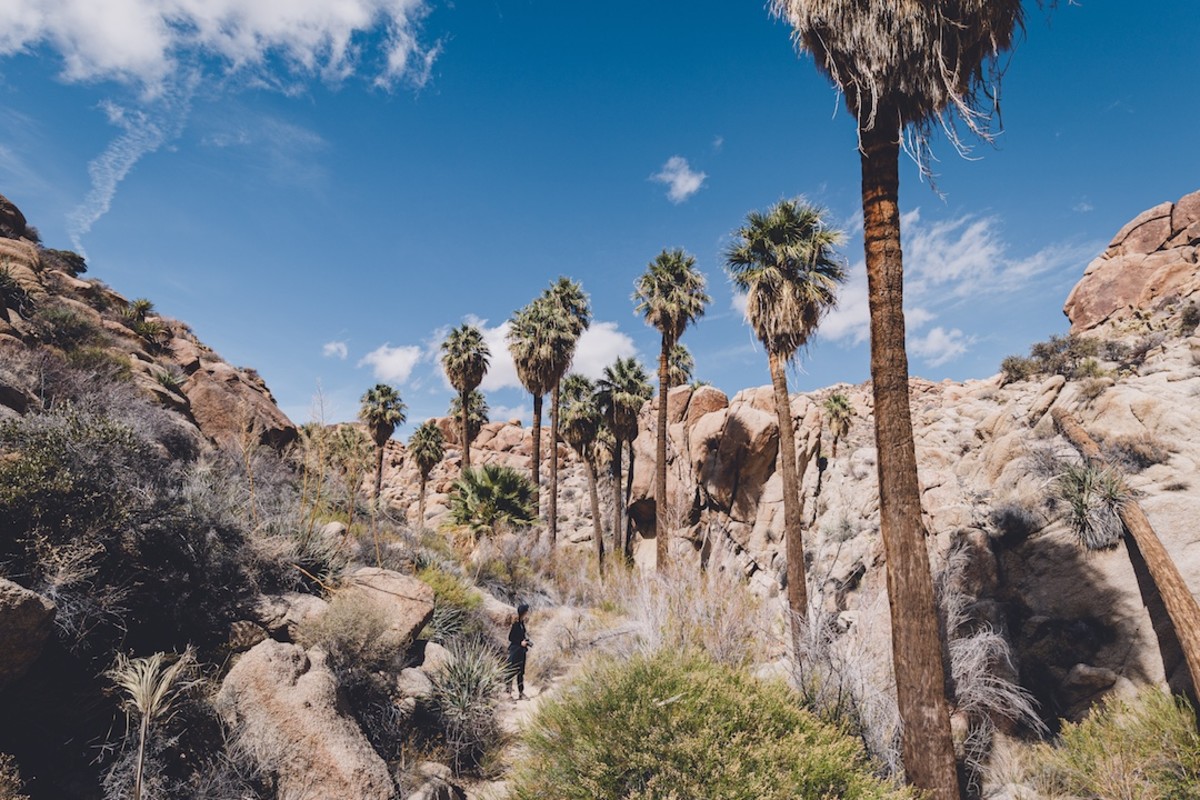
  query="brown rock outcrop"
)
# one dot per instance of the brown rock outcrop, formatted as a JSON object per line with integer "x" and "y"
{"x": 1149, "y": 268}
{"x": 282, "y": 702}
{"x": 12, "y": 221}
{"x": 26, "y": 619}
{"x": 406, "y": 602}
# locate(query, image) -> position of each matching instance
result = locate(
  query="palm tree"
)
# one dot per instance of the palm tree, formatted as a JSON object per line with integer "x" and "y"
{"x": 670, "y": 295}
{"x": 839, "y": 412}
{"x": 465, "y": 358}
{"x": 784, "y": 261}
{"x": 623, "y": 390}
{"x": 680, "y": 366}
{"x": 477, "y": 412}
{"x": 426, "y": 446}
{"x": 905, "y": 65}
{"x": 491, "y": 496}
{"x": 533, "y": 338}
{"x": 581, "y": 424}
{"x": 570, "y": 315}
{"x": 382, "y": 410}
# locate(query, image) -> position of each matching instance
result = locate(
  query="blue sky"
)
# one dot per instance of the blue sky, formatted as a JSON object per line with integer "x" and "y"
{"x": 320, "y": 187}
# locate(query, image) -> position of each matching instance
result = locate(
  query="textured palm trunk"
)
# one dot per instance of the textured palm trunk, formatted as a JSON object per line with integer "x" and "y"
{"x": 552, "y": 512}
{"x": 793, "y": 502}
{"x": 628, "y": 540}
{"x": 537, "y": 453}
{"x": 660, "y": 465}
{"x": 927, "y": 750}
{"x": 618, "y": 499}
{"x": 1180, "y": 603}
{"x": 379, "y": 448}
{"x": 464, "y": 430}
{"x": 597, "y": 525}
{"x": 421, "y": 503}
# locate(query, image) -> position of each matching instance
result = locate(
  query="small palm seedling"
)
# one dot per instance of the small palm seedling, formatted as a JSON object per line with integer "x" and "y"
{"x": 492, "y": 496}
{"x": 151, "y": 686}
{"x": 1094, "y": 496}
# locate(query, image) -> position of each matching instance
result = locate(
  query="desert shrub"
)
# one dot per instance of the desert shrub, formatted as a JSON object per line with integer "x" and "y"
{"x": 13, "y": 295}
{"x": 1089, "y": 368}
{"x": 100, "y": 361}
{"x": 511, "y": 570}
{"x": 1092, "y": 388}
{"x": 1115, "y": 350}
{"x": 353, "y": 631}
{"x": 10, "y": 779}
{"x": 464, "y": 698}
{"x": 1189, "y": 319}
{"x": 1094, "y": 496}
{"x": 67, "y": 261}
{"x": 63, "y": 327}
{"x": 682, "y": 726}
{"x": 170, "y": 379}
{"x": 455, "y": 606}
{"x": 491, "y": 497}
{"x": 1140, "y": 350}
{"x": 1146, "y": 747}
{"x": 1135, "y": 452}
{"x": 1018, "y": 368}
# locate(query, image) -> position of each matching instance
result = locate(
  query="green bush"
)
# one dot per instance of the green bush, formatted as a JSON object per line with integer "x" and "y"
{"x": 63, "y": 327}
{"x": 490, "y": 497}
{"x": 455, "y": 606}
{"x": 1017, "y": 368}
{"x": 67, "y": 261}
{"x": 100, "y": 361}
{"x": 1145, "y": 748}
{"x": 1189, "y": 320}
{"x": 676, "y": 726}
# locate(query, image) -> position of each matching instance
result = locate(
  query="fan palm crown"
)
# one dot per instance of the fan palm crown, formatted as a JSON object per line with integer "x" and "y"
{"x": 670, "y": 294}
{"x": 381, "y": 411}
{"x": 465, "y": 357}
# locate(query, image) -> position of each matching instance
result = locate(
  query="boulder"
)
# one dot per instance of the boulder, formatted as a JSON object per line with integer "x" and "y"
{"x": 12, "y": 221}
{"x": 26, "y": 619}
{"x": 282, "y": 614}
{"x": 438, "y": 783}
{"x": 283, "y": 704}
{"x": 406, "y": 601}
{"x": 228, "y": 406}
{"x": 414, "y": 683}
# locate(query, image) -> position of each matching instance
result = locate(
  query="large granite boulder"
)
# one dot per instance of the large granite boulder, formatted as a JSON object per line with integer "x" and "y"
{"x": 26, "y": 620}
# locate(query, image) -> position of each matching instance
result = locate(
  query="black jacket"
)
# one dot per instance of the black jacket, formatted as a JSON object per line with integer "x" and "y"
{"x": 517, "y": 635}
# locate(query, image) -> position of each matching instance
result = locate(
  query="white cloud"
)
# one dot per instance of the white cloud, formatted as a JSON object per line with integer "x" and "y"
{"x": 738, "y": 303}
{"x": 681, "y": 180}
{"x": 505, "y": 413}
{"x": 940, "y": 345}
{"x": 850, "y": 321}
{"x": 146, "y": 42}
{"x": 336, "y": 349}
{"x": 393, "y": 364}
{"x": 1083, "y": 207}
{"x": 599, "y": 346}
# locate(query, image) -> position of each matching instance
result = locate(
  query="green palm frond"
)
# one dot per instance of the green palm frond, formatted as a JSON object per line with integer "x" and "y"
{"x": 670, "y": 293}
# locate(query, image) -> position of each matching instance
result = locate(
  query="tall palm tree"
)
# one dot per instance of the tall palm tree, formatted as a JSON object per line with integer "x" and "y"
{"x": 571, "y": 315}
{"x": 477, "y": 412}
{"x": 381, "y": 410}
{"x": 784, "y": 261}
{"x": 680, "y": 366}
{"x": 427, "y": 447}
{"x": 581, "y": 424}
{"x": 839, "y": 412}
{"x": 903, "y": 64}
{"x": 533, "y": 337}
{"x": 670, "y": 295}
{"x": 623, "y": 390}
{"x": 465, "y": 357}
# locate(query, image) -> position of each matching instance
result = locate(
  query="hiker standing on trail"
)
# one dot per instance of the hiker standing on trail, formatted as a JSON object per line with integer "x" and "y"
{"x": 518, "y": 647}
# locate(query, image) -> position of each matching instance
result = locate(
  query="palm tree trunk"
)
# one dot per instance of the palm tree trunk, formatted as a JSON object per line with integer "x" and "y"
{"x": 552, "y": 512}
{"x": 793, "y": 503}
{"x": 628, "y": 540}
{"x": 597, "y": 525}
{"x": 1180, "y": 603}
{"x": 660, "y": 465}
{"x": 618, "y": 504}
{"x": 375, "y": 505}
{"x": 537, "y": 453}
{"x": 421, "y": 504}
{"x": 928, "y": 751}
{"x": 463, "y": 397}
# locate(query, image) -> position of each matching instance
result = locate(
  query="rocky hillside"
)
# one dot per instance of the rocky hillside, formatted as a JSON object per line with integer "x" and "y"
{"x": 45, "y": 302}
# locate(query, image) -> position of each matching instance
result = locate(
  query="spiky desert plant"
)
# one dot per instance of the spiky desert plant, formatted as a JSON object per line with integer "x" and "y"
{"x": 381, "y": 411}
{"x": 1094, "y": 495}
{"x": 427, "y": 447}
{"x": 622, "y": 391}
{"x": 670, "y": 295}
{"x": 571, "y": 314}
{"x": 905, "y": 65}
{"x": 490, "y": 496}
{"x": 784, "y": 260}
{"x": 838, "y": 412}
{"x": 581, "y": 426}
{"x": 151, "y": 686}
{"x": 465, "y": 358}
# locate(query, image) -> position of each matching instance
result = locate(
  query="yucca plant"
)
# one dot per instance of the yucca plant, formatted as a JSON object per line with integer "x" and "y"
{"x": 152, "y": 685}
{"x": 13, "y": 295}
{"x": 1094, "y": 496}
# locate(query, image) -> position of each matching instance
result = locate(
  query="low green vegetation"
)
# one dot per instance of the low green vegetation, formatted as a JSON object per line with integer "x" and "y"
{"x": 672, "y": 726}
{"x": 492, "y": 497}
{"x": 1146, "y": 747}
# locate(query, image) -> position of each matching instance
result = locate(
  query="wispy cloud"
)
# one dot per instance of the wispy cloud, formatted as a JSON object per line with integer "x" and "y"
{"x": 335, "y": 349}
{"x": 393, "y": 364}
{"x": 940, "y": 346}
{"x": 718, "y": 143}
{"x": 680, "y": 179}
{"x": 505, "y": 413}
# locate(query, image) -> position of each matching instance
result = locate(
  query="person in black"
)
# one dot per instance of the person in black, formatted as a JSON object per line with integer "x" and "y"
{"x": 518, "y": 647}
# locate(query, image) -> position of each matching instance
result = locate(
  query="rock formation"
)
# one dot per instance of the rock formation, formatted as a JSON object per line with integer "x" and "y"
{"x": 26, "y": 619}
